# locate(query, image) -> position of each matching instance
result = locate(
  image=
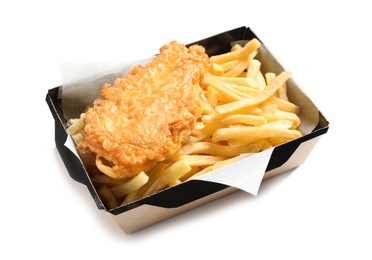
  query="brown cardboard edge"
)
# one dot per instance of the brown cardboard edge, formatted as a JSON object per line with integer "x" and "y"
{"x": 147, "y": 215}
{"x": 297, "y": 158}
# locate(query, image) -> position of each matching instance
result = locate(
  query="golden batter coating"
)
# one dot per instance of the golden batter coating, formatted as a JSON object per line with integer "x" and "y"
{"x": 146, "y": 116}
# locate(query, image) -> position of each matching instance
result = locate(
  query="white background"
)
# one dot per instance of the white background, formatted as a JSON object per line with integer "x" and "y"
{"x": 321, "y": 210}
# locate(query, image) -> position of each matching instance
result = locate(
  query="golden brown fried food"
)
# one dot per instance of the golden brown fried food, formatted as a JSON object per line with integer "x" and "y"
{"x": 145, "y": 117}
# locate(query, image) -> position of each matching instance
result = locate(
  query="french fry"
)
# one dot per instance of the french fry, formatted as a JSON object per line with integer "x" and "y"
{"x": 269, "y": 77}
{"x": 105, "y": 180}
{"x": 153, "y": 175}
{"x": 218, "y": 151}
{"x": 76, "y": 124}
{"x": 240, "y": 81}
{"x": 216, "y": 69}
{"x": 202, "y": 160}
{"x": 170, "y": 174}
{"x": 253, "y": 69}
{"x": 236, "y": 47}
{"x": 284, "y": 105}
{"x": 241, "y": 66}
{"x": 244, "y": 90}
{"x": 256, "y": 132}
{"x": 265, "y": 94}
{"x": 108, "y": 197}
{"x": 236, "y": 119}
{"x": 239, "y": 54}
{"x": 228, "y": 65}
{"x": 131, "y": 185}
{"x": 230, "y": 93}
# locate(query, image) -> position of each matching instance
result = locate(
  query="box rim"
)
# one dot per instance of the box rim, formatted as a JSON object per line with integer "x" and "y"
{"x": 82, "y": 175}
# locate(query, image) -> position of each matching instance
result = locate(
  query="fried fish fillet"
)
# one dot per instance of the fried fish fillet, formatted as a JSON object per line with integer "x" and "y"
{"x": 146, "y": 116}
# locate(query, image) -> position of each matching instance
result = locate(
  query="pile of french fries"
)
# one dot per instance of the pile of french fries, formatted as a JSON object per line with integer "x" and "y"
{"x": 243, "y": 112}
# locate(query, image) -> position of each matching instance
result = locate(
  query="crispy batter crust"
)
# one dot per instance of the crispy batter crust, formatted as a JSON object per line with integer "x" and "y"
{"x": 146, "y": 116}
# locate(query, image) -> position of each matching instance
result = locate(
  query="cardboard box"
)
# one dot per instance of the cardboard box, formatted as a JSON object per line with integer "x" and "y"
{"x": 185, "y": 196}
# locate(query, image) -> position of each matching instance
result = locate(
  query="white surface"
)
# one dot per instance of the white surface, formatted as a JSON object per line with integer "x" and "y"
{"x": 321, "y": 210}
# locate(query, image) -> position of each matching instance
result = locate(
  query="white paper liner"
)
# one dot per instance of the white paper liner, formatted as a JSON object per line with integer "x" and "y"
{"x": 245, "y": 174}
